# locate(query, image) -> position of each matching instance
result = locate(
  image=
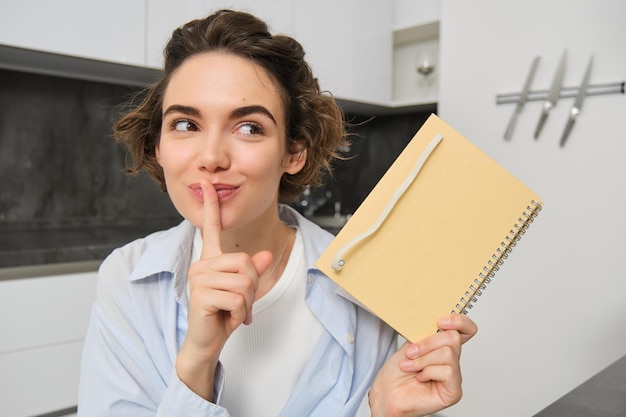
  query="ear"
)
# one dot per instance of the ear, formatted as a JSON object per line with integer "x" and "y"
{"x": 295, "y": 162}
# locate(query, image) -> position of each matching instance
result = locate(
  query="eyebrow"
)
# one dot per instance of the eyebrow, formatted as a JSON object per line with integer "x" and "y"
{"x": 191, "y": 111}
{"x": 247, "y": 110}
{"x": 235, "y": 114}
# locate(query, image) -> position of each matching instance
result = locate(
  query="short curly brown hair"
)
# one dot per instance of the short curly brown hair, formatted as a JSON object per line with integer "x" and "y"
{"x": 313, "y": 119}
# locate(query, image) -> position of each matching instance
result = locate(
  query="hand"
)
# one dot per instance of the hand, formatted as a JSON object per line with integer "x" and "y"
{"x": 425, "y": 377}
{"x": 222, "y": 291}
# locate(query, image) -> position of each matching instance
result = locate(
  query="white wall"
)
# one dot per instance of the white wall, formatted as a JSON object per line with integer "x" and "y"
{"x": 555, "y": 313}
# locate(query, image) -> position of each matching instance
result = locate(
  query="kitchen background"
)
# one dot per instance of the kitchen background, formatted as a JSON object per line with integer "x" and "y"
{"x": 64, "y": 195}
{"x": 553, "y": 316}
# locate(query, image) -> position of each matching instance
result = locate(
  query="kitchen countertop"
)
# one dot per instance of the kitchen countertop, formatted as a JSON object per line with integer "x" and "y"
{"x": 72, "y": 245}
{"x": 32, "y": 247}
{"x": 29, "y": 252}
{"x": 603, "y": 395}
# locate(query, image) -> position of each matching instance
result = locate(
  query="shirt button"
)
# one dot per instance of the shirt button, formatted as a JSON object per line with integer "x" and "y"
{"x": 308, "y": 279}
{"x": 350, "y": 338}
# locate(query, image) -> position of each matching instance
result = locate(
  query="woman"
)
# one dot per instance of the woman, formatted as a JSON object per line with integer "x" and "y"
{"x": 225, "y": 315}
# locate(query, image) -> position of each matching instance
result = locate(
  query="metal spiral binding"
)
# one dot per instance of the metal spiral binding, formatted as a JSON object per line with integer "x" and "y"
{"x": 506, "y": 246}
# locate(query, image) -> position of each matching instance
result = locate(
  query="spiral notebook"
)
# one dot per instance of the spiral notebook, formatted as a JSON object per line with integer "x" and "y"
{"x": 432, "y": 232}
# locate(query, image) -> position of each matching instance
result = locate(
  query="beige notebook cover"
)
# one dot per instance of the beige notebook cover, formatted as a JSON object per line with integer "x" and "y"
{"x": 442, "y": 240}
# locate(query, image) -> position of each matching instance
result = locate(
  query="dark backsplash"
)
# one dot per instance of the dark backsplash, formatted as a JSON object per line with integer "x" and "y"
{"x": 61, "y": 172}
{"x": 375, "y": 144}
{"x": 58, "y": 162}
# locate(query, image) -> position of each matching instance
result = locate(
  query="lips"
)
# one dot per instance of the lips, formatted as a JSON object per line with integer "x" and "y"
{"x": 224, "y": 191}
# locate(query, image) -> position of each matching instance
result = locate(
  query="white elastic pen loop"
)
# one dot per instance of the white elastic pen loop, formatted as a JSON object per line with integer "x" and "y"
{"x": 338, "y": 261}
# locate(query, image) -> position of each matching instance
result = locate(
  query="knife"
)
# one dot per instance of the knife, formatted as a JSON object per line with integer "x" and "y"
{"x": 578, "y": 103}
{"x": 553, "y": 94}
{"x": 522, "y": 99}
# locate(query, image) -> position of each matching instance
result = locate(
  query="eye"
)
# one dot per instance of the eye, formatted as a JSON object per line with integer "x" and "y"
{"x": 250, "y": 129}
{"x": 183, "y": 125}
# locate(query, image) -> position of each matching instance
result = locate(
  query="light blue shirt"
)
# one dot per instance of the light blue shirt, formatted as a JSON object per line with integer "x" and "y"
{"x": 139, "y": 322}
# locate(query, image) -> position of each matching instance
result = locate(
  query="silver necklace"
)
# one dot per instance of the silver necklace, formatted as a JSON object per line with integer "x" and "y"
{"x": 282, "y": 253}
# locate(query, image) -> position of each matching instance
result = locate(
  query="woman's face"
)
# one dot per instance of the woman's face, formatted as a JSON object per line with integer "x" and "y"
{"x": 224, "y": 123}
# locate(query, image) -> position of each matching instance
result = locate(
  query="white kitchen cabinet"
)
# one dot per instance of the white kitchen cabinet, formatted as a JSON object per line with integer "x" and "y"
{"x": 347, "y": 43}
{"x": 349, "y": 46}
{"x": 43, "y": 322}
{"x": 164, "y": 16}
{"x": 112, "y": 30}
{"x": 412, "y": 13}
{"x": 41, "y": 380}
{"x": 415, "y": 44}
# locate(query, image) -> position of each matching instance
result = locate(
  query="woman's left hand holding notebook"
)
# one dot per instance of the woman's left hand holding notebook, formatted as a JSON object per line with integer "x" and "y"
{"x": 424, "y": 377}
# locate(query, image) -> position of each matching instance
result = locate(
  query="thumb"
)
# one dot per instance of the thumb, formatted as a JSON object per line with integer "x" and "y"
{"x": 261, "y": 261}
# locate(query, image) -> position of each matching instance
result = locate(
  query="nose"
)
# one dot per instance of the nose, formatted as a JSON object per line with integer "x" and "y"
{"x": 213, "y": 153}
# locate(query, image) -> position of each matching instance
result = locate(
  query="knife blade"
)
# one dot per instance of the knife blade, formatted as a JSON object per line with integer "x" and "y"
{"x": 578, "y": 103}
{"x": 553, "y": 94}
{"x": 522, "y": 99}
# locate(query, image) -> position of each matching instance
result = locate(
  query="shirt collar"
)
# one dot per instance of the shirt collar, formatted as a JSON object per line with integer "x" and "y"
{"x": 167, "y": 251}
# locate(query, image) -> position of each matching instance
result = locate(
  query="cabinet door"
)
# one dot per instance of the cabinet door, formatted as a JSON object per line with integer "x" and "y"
{"x": 349, "y": 45}
{"x": 43, "y": 322}
{"x": 164, "y": 16}
{"x": 112, "y": 30}
{"x": 45, "y": 311}
{"x": 40, "y": 381}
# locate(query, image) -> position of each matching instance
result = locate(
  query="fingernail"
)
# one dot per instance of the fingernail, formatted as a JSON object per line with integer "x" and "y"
{"x": 406, "y": 364}
{"x": 444, "y": 322}
{"x": 412, "y": 351}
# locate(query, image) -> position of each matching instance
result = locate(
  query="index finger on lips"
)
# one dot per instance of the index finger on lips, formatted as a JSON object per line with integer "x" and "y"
{"x": 211, "y": 223}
